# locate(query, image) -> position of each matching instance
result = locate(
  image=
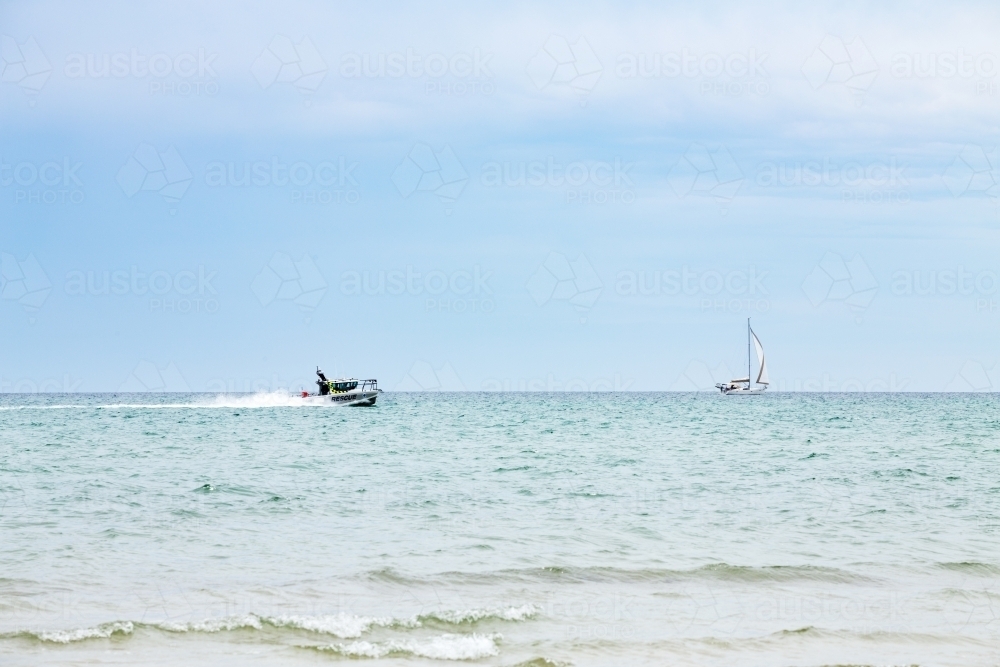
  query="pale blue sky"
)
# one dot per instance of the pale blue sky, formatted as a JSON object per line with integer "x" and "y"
{"x": 560, "y": 197}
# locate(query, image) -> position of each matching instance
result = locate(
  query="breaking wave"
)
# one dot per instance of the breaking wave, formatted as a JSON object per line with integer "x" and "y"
{"x": 102, "y": 631}
{"x": 345, "y": 626}
{"x": 341, "y": 626}
{"x": 514, "y": 614}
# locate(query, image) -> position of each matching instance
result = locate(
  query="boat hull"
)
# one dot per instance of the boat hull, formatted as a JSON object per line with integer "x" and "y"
{"x": 740, "y": 391}
{"x": 354, "y": 398}
{"x": 347, "y": 398}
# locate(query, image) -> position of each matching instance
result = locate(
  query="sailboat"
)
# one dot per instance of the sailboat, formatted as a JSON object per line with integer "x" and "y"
{"x": 743, "y": 386}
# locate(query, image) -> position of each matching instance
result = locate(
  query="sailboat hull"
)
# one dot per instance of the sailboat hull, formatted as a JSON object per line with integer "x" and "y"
{"x": 740, "y": 391}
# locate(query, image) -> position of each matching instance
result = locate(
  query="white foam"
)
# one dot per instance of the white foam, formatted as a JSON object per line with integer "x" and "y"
{"x": 521, "y": 613}
{"x": 272, "y": 399}
{"x": 443, "y": 647}
{"x": 346, "y": 626}
{"x": 214, "y": 624}
{"x": 102, "y": 631}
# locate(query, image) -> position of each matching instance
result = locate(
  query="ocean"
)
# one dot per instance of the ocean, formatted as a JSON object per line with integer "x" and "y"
{"x": 526, "y": 529}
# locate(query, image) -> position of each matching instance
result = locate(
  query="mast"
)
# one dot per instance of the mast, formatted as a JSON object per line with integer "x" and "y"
{"x": 748, "y": 354}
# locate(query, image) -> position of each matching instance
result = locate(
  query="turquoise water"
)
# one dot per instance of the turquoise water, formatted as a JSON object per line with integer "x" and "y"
{"x": 501, "y": 529}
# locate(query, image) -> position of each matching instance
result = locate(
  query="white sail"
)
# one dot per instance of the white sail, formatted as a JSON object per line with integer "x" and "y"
{"x": 762, "y": 375}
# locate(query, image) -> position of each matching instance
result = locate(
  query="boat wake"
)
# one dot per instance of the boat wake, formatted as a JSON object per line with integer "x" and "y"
{"x": 272, "y": 399}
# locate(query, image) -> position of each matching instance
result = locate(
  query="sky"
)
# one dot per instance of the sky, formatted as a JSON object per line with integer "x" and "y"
{"x": 499, "y": 196}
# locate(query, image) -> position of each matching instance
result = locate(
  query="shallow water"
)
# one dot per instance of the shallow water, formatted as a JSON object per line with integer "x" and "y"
{"x": 503, "y": 529}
